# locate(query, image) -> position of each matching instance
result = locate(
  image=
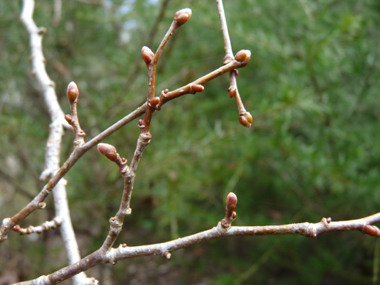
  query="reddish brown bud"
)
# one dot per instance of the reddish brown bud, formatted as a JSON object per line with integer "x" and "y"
{"x": 372, "y": 230}
{"x": 68, "y": 118}
{"x": 72, "y": 91}
{"x": 243, "y": 56}
{"x": 154, "y": 101}
{"x": 197, "y": 87}
{"x": 231, "y": 207}
{"x": 147, "y": 54}
{"x": 16, "y": 228}
{"x": 108, "y": 151}
{"x": 182, "y": 16}
{"x": 246, "y": 119}
{"x": 231, "y": 92}
{"x": 231, "y": 199}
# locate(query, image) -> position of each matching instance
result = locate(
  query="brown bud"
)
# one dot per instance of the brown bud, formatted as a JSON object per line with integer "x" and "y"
{"x": 243, "y": 56}
{"x": 108, "y": 151}
{"x": 147, "y": 54}
{"x": 197, "y": 87}
{"x": 246, "y": 119}
{"x": 372, "y": 230}
{"x": 154, "y": 101}
{"x": 72, "y": 91}
{"x": 231, "y": 92}
{"x": 68, "y": 118}
{"x": 182, "y": 16}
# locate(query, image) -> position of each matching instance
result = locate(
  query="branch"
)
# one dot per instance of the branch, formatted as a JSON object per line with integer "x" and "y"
{"x": 365, "y": 225}
{"x": 80, "y": 147}
{"x": 53, "y": 150}
{"x": 48, "y": 225}
{"x": 9, "y": 223}
{"x": 245, "y": 117}
{"x": 151, "y": 60}
{"x": 197, "y": 85}
{"x": 53, "y": 146}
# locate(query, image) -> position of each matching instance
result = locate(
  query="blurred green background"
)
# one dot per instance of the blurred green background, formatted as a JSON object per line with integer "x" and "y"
{"x": 313, "y": 151}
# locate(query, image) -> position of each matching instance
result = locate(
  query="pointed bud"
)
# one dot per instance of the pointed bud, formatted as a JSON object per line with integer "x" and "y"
{"x": 147, "y": 54}
{"x": 108, "y": 151}
{"x": 72, "y": 91}
{"x": 182, "y": 16}
{"x": 243, "y": 56}
{"x": 246, "y": 119}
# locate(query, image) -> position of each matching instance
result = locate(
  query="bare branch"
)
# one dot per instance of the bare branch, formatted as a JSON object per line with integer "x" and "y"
{"x": 53, "y": 148}
{"x": 245, "y": 118}
{"x": 197, "y": 85}
{"x": 306, "y": 229}
{"x": 48, "y": 225}
{"x": 8, "y": 223}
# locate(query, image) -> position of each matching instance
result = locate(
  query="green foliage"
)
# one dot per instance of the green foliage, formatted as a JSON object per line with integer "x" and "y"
{"x": 312, "y": 151}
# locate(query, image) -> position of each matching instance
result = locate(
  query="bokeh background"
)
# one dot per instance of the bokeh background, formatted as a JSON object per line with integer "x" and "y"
{"x": 313, "y": 151}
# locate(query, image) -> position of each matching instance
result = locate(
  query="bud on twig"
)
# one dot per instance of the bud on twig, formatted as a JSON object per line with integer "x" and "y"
{"x": 372, "y": 230}
{"x": 68, "y": 118}
{"x": 246, "y": 119}
{"x": 231, "y": 92}
{"x": 154, "y": 101}
{"x": 147, "y": 54}
{"x": 197, "y": 87}
{"x": 182, "y": 16}
{"x": 231, "y": 202}
{"x": 243, "y": 56}
{"x": 108, "y": 151}
{"x": 72, "y": 91}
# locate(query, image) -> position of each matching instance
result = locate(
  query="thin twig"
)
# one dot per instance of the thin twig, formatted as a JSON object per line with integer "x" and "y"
{"x": 245, "y": 118}
{"x": 48, "y": 225}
